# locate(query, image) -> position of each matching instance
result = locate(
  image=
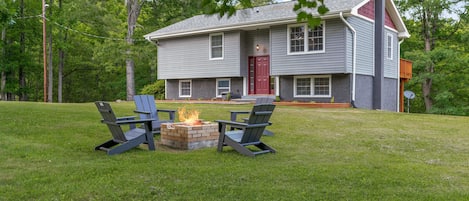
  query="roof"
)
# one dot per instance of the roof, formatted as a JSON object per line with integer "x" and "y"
{"x": 253, "y": 18}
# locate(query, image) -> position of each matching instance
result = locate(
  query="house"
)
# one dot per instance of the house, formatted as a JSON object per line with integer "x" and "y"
{"x": 265, "y": 51}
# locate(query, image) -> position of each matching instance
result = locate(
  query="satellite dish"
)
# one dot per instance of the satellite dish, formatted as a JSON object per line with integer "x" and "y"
{"x": 409, "y": 94}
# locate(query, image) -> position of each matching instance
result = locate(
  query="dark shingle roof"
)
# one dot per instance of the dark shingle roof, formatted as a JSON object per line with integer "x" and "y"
{"x": 264, "y": 15}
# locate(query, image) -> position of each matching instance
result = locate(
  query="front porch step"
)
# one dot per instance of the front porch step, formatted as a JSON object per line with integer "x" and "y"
{"x": 252, "y": 98}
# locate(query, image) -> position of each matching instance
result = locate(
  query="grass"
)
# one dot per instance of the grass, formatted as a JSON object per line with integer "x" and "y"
{"x": 46, "y": 153}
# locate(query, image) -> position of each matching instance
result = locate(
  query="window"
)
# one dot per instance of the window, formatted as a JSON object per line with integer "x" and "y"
{"x": 216, "y": 46}
{"x": 312, "y": 86}
{"x": 300, "y": 41}
{"x": 185, "y": 88}
{"x": 389, "y": 46}
{"x": 223, "y": 85}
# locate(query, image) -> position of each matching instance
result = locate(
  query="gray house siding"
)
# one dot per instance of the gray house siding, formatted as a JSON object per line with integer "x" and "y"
{"x": 201, "y": 88}
{"x": 391, "y": 94}
{"x": 188, "y": 57}
{"x": 364, "y": 93}
{"x": 249, "y": 40}
{"x": 243, "y": 55}
{"x": 340, "y": 89}
{"x": 365, "y": 44}
{"x": 194, "y": 64}
{"x": 365, "y": 48}
{"x": 258, "y": 37}
{"x": 330, "y": 62}
{"x": 390, "y": 65}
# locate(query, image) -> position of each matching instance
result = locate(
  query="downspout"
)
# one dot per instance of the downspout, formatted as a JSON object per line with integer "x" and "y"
{"x": 399, "y": 75}
{"x": 354, "y": 58}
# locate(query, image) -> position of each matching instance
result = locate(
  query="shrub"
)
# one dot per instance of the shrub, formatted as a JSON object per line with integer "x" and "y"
{"x": 156, "y": 88}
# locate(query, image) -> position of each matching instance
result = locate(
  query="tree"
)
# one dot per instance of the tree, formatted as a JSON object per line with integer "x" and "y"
{"x": 133, "y": 11}
{"x": 432, "y": 29}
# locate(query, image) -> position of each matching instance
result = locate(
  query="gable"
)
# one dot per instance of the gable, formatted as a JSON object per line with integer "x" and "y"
{"x": 368, "y": 11}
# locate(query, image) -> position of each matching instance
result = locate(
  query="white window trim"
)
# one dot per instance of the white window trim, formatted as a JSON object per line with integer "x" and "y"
{"x": 389, "y": 49}
{"x": 305, "y": 39}
{"x": 222, "y": 46}
{"x": 312, "y": 87}
{"x": 180, "y": 89}
{"x": 223, "y": 79}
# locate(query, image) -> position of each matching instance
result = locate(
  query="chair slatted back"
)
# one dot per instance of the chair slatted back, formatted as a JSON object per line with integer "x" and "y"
{"x": 109, "y": 118}
{"x": 260, "y": 114}
{"x": 264, "y": 100}
{"x": 147, "y": 103}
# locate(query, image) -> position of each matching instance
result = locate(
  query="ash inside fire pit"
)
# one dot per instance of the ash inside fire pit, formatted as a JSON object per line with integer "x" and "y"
{"x": 189, "y": 137}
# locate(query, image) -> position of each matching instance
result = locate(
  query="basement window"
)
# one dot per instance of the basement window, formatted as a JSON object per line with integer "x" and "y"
{"x": 185, "y": 88}
{"x": 312, "y": 86}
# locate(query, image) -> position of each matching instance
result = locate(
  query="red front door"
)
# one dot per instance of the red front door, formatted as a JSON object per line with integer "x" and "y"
{"x": 259, "y": 75}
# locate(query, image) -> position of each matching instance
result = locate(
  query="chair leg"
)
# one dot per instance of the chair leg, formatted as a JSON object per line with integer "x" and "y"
{"x": 149, "y": 137}
{"x": 126, "y": 146}
{"x": 264, "y": 146}
{"x": 106, "y": 145}
{"x": 221, "y": 137}
{"x": 238, "y": 147}
{"x": 268, "y": 133}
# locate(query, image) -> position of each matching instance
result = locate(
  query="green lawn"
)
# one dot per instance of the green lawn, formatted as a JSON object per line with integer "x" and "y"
{"x": 47, "y": 153}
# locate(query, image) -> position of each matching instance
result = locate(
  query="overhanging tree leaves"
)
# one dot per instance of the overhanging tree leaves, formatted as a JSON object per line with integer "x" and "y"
{"x": 303, "y": 7}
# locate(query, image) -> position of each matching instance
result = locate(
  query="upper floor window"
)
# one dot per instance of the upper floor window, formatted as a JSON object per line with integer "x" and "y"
{"x": 389, "y": 46}
{"x": 223, "y": 85}
{"x": 303, "y": 39}
{"x": 185, "y": 88}
{"x": 312, "y": 86}
{"x": 216, "y": 46}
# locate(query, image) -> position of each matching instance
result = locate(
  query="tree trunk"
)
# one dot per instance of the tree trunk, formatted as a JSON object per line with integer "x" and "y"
{"x": 3, "y": 78}
{"x": 133, "y": 11}
{"x": 61, "y": 64}
{"x": 50, "y": 69}
{"x": 427, "y": 83}
{"x": 21, "y": 77}
{"x": 59, "y": 81}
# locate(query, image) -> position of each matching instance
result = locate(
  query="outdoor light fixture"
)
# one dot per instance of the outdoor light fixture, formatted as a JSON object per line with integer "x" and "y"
{"x": 257, "y": 47}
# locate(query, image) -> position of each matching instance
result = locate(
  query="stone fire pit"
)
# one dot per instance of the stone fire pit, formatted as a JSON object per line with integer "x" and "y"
{"x": 189, "y": 137}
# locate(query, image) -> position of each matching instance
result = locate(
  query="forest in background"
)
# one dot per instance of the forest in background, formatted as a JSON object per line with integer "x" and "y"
{"x": 90, "y": 46}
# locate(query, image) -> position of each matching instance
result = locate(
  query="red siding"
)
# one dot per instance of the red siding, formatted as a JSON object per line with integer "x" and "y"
{"x": 368, "y": 10}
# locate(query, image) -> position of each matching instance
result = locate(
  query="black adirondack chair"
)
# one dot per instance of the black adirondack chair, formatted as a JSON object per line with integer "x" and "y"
{"x": 146, "y": 108}
{"x": 248, "y": 133}
{"x": 261, "y": 100}
{"x": 122, "y": 141}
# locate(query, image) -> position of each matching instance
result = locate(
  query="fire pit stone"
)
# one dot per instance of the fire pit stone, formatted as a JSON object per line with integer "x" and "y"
{"x": 189, "y": 137}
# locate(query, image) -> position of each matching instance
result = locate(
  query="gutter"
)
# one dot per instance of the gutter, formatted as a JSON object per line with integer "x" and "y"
{"x": 354, "y": 58}
{"x": 399, "y": 75}
{"x": 246, "y": 25}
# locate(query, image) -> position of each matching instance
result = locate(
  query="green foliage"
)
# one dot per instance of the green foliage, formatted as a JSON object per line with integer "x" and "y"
{"x": 156, "y": 88}
{"x": 303, "y": 7}
{"x": 47, "y": 153}
{"x": 443, "y": 59}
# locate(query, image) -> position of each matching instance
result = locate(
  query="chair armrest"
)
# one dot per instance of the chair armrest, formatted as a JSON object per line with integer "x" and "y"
{"x": 141, "y": 112}
{"x": 165, "y": 110}
{"x": 233, "y": 124}
{"x": 125, "y": 118}
{"x": 136, "y": 121}
{"x": 170, "y": 112}
{"x": 234, "y": 114}
{"x": 122, "y": 118}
